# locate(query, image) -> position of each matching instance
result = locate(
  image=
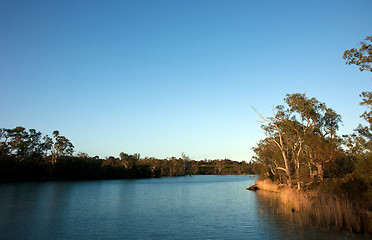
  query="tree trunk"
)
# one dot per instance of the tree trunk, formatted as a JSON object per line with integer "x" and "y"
{"x": 288, "y": 173}
{"x": 298, "y": 174}
{"x": 319, "y": 166}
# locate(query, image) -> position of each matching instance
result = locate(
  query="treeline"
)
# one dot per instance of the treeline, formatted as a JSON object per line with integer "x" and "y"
{"x": 29, "y": 156}
{"x": 303, "y": 149}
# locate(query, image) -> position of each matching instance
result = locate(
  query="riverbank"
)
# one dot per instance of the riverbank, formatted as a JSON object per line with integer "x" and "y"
{"x": 325, "y": 210}
{"x": 15, "y": 168}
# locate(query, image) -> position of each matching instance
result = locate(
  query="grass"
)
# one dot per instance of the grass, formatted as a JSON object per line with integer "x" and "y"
{"x": 323, "y": 209}
{"x": 267, "y": 185}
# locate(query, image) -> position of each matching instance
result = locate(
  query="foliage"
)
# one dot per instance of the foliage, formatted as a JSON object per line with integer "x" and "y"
{"x": 302, "y": 147}
{"x": 19, "y": 142}
{"x": 361, "y": 57}
{"x": 300, "y": 140}
{"x": 26, "y": 155}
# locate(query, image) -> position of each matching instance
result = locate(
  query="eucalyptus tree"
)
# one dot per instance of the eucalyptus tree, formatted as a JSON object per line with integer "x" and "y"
{"x": 361, "y": 57}
{"x": 17, "y": 141}
{"x": 360, "y": 144}
{"x": 302, "y": 131}
{"x": 4, "y": 147}
{"x": 269, "y": 155}
{"x": 275, "y": 136}
{"x": 21, "y": 143}
{"x": 364, "y": 132}
{"x": 129, "y": 161}
{"x": 61, "y": 146}
{"x": 316, "y": 133}
{"x": 186, "y": 163}
{"x": 36, "y": 146}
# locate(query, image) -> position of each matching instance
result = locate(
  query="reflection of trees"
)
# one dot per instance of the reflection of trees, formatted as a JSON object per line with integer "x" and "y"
{"x": 290, "y": 224}
{"x": 281, "y": 223}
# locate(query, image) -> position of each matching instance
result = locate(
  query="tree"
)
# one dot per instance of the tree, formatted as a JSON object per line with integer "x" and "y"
{"x": 35, "y": 147}
{"x": 4, "y": 146}
{"x": 82, "y": 155}
{"x": 274, "y": 133}
{"x": 317, "y": 130}
{"x": 365, "y": 132}
{"x": 186, "y": 163}
{"x": 22, "y": 144}
{"x": 129, "y": 161}
{"x": 61, "y": 147}
{"x": 18, "y": 141}
{"x": 361, "y": 57}
{"x": 360, "y": 144}
{"x": 304, "y": 133}
{"x": 268, "y": 155}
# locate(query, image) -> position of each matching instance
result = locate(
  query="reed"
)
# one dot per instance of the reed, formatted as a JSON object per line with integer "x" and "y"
{"x": 267, "y": 185}
{"x": 323, "y": 209}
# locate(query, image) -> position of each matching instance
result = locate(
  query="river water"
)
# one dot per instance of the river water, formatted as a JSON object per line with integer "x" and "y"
{"x": 197, "y": 207}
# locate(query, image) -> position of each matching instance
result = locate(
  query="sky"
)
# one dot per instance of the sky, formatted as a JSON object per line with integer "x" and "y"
{"x": 162, "y": 77}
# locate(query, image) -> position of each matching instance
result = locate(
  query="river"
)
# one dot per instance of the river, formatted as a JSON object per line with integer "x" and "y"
{"x": 197, "y": 207}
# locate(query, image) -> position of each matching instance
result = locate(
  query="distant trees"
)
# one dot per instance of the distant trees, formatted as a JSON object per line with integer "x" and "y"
{"x": 27, "y": 155}
{"x": 130, "y": 161}
{"x": 61, "y": 146}
{"x": 22, "y": 144}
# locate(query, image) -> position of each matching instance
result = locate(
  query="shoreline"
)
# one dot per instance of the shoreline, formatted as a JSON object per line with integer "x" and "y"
{"x": 324, "y": 210}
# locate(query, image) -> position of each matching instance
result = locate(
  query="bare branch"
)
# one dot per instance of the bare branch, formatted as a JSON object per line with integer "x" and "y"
{"x": 280, "y": 168}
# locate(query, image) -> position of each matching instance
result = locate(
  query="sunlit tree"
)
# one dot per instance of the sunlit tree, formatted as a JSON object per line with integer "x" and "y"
{"x": 61, "y": 146}
{"x": 361, "y": 57}
{"x": 300, "y": 135}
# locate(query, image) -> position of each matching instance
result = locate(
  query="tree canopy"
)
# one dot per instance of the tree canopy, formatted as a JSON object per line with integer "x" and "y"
{"x": 296, "y": 137}
{"x": 361, "y": 57}
{"x": 28, "y": 155}
{"x": 302, "y": 146}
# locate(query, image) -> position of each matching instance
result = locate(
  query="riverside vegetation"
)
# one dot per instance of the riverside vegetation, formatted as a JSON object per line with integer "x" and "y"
{"x": 315, "y": 171}
{"x": 326, "y": 177}
{"x": 30, "y": 156}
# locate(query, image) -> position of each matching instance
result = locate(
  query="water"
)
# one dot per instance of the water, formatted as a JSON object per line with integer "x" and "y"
{"x": 197, "y": 207}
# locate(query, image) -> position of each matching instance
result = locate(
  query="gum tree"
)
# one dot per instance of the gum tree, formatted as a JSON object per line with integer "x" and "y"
{"x": 361, "y": 57}
{"x": 304, "y": 133}
{"x": 61, "y": 146}
{"x": 360, "y": 144}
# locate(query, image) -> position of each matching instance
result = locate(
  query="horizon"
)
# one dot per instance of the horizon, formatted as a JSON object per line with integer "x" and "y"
{"x": 161, "y": 78}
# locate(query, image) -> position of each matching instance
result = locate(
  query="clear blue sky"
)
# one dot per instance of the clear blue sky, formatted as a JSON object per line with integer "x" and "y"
{"x": 164, "y": 77}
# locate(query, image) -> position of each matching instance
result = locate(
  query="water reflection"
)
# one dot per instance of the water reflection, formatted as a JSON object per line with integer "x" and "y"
{"x": 200, "y": 207}
{"x": 289, "y": 225}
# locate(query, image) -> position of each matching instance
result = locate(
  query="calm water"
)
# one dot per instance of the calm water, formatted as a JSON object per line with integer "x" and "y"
{"x": 197, "y": 207}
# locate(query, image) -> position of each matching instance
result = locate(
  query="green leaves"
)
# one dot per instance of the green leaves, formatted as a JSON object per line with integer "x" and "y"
{"x": 19, "y": 142}
{"x": 301, "y": 137}
{"x": 22, "y": 144}
{"x": 361, "y": 57}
